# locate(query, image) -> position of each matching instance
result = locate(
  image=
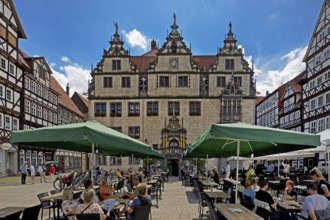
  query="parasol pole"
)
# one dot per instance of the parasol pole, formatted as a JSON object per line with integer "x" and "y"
{"x": 147, "y": 165}
{"x": 207, "y": 162}
{"x": 237, "y": 166}
{"x": 278, "y": 164}
{"x": 93, "y": 161}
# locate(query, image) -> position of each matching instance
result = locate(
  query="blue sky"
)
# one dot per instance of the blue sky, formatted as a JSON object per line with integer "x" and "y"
{"x": 71, "y": 34}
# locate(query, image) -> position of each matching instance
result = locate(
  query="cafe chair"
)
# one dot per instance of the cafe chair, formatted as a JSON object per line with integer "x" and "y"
{"x": 119, "y": 186}
{"x": 31, "y": 213}
{"x": 262, "y": 209}
{"x": 212, "y": 213}
{"x": 248, "y": 203}
{"x": 202, "y": 202}
{"x": 46, "y": 204}
{"x": 14, "y": 216}
{"x": 142, "y": 212}
{"x": 88, "y": 216}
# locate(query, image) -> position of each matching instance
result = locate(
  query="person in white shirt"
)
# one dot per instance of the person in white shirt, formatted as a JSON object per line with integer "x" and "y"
{"x": 41, "y": 169}
{"x": 227, "y": 170}
{"x": 33, "y": 173}
{"x": 270, "y": 167}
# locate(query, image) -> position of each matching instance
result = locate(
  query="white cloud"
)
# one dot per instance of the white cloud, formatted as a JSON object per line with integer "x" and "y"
{"x": 269, "y": 80}
{"x": 65, "y": 59}
{"x": 74, "y": 74}
{"x": 136, "y": 39}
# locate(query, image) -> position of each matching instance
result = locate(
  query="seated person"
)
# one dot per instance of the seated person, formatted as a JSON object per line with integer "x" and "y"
{"x": 322, "y": 184}
{"x": 290, "y": 192}
{"x": 248, "y": 191}
{"x": 140, "y": 200}
{"x": 264, "y": 196}
{"x": 105, "y": 191}
{"x": 136, "y": 182}
{"x": 313, "y": 202}
{"x": 88, "y": 185}
{"x": 88, "y": 206}
{"x": 69, "y": 205}
{"x": 255, "y": 186}
{"x": 119, "y": 174}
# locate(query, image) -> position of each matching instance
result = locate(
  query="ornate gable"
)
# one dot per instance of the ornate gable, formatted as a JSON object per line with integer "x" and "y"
{"x": 230, "y": 47}
{"x": 174, "y": 42}
{"x": 320, "y": 36}
{"x": 116, "y": 46}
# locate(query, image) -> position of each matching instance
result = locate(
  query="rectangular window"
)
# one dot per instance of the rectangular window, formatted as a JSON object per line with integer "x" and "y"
{"x": 33, "y": 109}
{"x": 39, "y": 110}
{"x": 44, "y": 115}
{"x": 133, "y": 109}
{"x": 9, "y": 95}
{"x": 33, "y": 86}
{"x": 2, "y": 94}
{"x": 152, "y": 108}
{"x": 125, "y": 82}
{"x": 194, "y": 108}
{"x": 312, "y": 104}
{"x": 27, "y": 83}
{"x": 327, "y": 122}
{"x": 42, "y": 72}
{"x": 320, "y": 125}
{"x": 3, "y": 64}
{"x": 134, "y": 131}
{"x": 174, "y": 108}
{"x": 221, "y": 81}
{"x": 115, "y": 109}
{"x": 230, "y": 65}
{"x": 11, "y": 69}
{"x": 319, "y": 80}
{"x": 27, "y": 106}
{"x": 183, "y": 81}
{"x": 1, "y": 120}
{"x": 116, "y": 65}
{"x": 100, "y": 109}
{"x": 164, "y": 81}
{"x": 107, "y": 82}
{"x": 327, "y": 76}
{"x": 327, "y": 98}
{"x": 15, "y": 124}
{"x": 320, "y": 101}
{"x": 238, "y": 80}
{"x": 8, "y": 123}
{"x": 313, "y": 127}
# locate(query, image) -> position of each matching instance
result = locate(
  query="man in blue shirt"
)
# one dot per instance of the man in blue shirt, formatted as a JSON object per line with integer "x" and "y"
{"x": 23, "y": 169}
{"x": 313, "y": 202}
{"x": 140, "y": 200}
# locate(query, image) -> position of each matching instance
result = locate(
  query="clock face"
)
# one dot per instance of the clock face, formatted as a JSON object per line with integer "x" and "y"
{"x": 174, "y": 63}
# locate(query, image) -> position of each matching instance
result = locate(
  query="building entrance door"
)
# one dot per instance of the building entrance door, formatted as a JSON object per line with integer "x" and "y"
{"x": 174, "y": 167}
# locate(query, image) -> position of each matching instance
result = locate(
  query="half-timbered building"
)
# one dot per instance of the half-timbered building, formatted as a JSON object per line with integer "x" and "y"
{"x": 11, "y": 83}
{"x": 167, "y": 97}
{"x": 316, "y": 84}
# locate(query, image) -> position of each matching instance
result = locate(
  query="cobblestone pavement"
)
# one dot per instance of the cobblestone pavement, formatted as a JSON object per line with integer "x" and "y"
{"x": 178, "y": 202}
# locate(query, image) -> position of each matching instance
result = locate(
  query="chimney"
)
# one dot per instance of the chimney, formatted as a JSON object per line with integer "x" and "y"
{"x": 267, "y": 93}
{"x": 67, "y": 89}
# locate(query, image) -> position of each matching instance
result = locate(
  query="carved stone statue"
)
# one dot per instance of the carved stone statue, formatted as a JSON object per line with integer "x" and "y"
{"x": 116, "y": 25}
{"x": 174, "y": 17}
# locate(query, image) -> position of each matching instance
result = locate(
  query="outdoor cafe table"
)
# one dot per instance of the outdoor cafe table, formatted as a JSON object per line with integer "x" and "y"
{"x": 151, "y": 182}
{"x": 245, "y": 213}
{"x": 9, "y": 210}
{"x": 216, "y": 195}
{"x": 208, "y": 183}
{"x": 289, "y": 206}
{"x": 272, "y": 183}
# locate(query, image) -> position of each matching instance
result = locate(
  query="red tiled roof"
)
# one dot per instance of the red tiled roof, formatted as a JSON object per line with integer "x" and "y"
{"x": 204, "y": 62}
{"x": 63, "y": 99}
{"x": 259, "y": 99}
{"x": 142, "y": 62}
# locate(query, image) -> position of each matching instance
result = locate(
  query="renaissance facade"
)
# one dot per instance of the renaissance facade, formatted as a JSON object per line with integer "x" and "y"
{"x": 167, "y": 97}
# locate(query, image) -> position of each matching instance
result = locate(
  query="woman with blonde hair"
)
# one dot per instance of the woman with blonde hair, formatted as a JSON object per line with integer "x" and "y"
{"x": 289, "y": 191}
{"x": 106, "y": 190}
{"x": 69, "y": 205}
{"x": 88, "y": 206}
{"x": 322, "y": 184}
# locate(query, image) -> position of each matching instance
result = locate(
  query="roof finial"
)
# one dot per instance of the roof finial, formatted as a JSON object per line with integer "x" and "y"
{"x": 116, "y": 25}
{"x": 174, "y": 17}
{"x": 230, "y": 25}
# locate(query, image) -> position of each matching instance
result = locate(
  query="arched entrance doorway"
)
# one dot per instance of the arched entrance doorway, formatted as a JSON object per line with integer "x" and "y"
{"x": 173, "y": 167}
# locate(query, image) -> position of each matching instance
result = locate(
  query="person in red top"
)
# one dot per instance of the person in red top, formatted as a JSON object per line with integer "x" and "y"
{"x": 52, "y": 172}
